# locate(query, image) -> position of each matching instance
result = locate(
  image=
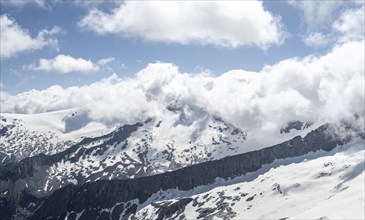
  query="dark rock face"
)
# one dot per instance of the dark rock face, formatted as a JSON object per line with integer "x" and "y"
{"x": 295, "y": 125}
{"x": 3, "y": 131}
{"x": 166, "y": 210}
{"x": 92, "y": 199}
{"x": 18, "y": 207}
{"x": 6, "y": 209}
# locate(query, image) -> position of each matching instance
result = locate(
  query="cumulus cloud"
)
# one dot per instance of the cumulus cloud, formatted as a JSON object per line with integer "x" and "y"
{"x": 313, "y": 89}
{"x": 15, "y": 39}
{"x": 66, "y": 64}
{"x": 228, "y": 24}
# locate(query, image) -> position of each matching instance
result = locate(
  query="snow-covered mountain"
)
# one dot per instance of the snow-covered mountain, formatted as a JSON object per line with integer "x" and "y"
{"x": 44, "y": 153}
{"x": 182, "y": 110}
{"x": 301, "y": 178}
{"x": 320, "y": 185}
{"x": 141, "y": 149}
{"x": 27, "y": 135}
{"x": 19, "y": 142}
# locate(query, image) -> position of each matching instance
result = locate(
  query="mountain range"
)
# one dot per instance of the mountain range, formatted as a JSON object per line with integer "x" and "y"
{"x": 190, "y": 165}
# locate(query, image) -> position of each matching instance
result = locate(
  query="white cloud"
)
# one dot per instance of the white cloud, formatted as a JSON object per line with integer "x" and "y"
{"x": 106, "y": 61}
{"x": 15, "y": 40}
{"x": 316, "y": 39}
{"x": 317, "y": 14}
{"x": 315, "y": 89}
{"x": 65, "y": 64}
{"x": 221, "y": 23}
{"x": 351, "y": 24}
{"x": 331, "y": 21}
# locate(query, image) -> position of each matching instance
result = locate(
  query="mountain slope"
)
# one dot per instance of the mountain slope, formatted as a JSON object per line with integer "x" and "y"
{"x": 321, "y": 185}
{"x": 27, "y": 135}
{"x": 189, "y": 149}
{"x": 129, "y": 151}
{"x": 125, "y": 197}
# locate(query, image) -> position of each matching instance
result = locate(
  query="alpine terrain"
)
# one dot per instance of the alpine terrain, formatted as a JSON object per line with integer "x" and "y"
{"x": 177, "y": 167}
{"x": 182, "y": 110}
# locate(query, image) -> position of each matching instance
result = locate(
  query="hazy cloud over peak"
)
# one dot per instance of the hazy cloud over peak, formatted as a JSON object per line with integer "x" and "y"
{"x": 315, "y": 88}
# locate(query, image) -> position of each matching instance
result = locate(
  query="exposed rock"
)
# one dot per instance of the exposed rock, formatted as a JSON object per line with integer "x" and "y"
{"x": 166, "y": 210}
{"x": 295, "y": 125}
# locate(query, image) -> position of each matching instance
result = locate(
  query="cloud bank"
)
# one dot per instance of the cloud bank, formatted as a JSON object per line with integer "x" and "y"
{"x": 227, "y": 24}
{"x": 15, "y": 39}
{"x": 315, "y": 89}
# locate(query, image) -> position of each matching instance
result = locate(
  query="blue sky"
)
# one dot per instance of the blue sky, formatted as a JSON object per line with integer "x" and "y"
{"x": 128, "y": 53}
